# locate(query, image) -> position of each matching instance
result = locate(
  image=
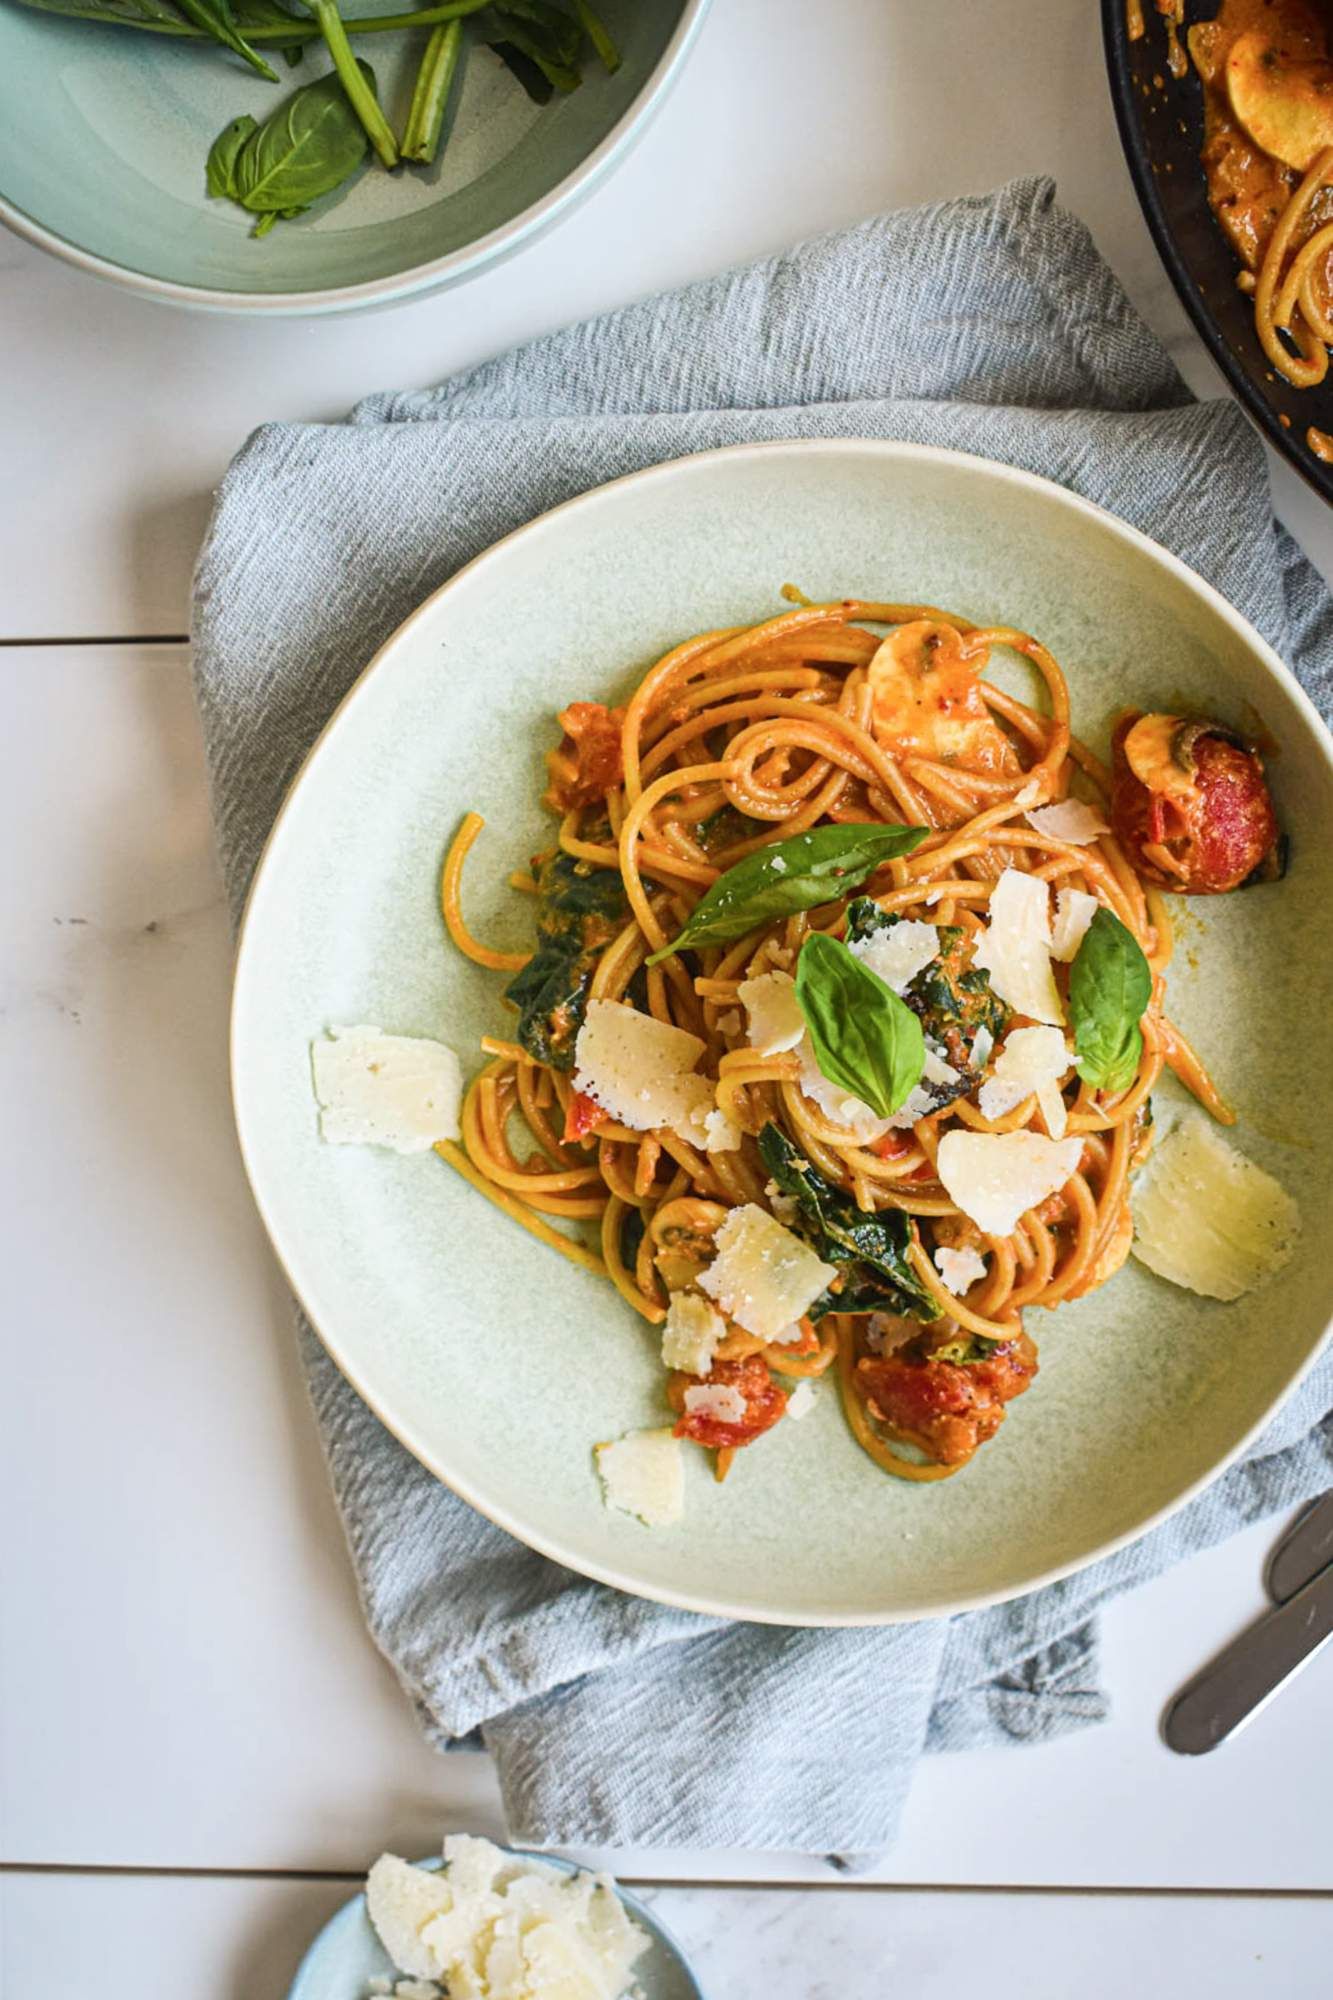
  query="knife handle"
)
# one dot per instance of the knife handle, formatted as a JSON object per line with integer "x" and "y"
{"x": 1249, "y": 1671}
{"x": 1305, "y": 1549}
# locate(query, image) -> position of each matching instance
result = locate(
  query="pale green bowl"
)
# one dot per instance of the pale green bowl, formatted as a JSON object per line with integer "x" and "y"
{"x": 498, "y": 1363}
{"x": 105, "y": 133}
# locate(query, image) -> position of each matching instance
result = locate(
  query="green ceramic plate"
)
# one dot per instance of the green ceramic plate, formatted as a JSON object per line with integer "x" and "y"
{"x": 106, "y": 130}
{"x": 498, "y": 1363}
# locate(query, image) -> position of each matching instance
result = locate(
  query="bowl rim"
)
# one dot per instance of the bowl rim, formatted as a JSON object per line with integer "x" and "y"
{"x": 468, "y": 261}
{"x": 346, "y": 1914}
{"x": 1262, "y": 413}
{"x": 551, "y": 1546}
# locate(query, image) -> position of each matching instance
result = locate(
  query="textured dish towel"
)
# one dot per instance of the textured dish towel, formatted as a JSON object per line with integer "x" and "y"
{"x": 988, "y": 324}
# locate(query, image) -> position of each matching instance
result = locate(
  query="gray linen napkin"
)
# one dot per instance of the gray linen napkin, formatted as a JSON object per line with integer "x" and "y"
{"x": 989, "y": 324}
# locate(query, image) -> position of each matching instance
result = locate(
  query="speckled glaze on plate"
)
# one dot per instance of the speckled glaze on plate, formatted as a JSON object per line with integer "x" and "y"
{"x": 498, "y": 1363}
{"x": 106, "y": 131}
{"x": 347, "y": 1955}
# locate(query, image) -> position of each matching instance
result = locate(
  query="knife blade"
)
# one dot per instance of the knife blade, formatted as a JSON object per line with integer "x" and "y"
{"x": 1246, "y": 1675}
{"x": 1305, "y": 1549}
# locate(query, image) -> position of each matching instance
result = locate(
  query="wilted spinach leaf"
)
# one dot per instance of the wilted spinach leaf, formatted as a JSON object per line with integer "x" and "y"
{"x": 871, "y": 1250}
{"x": 580, "y": 908}
{"x": 792, "y": 875}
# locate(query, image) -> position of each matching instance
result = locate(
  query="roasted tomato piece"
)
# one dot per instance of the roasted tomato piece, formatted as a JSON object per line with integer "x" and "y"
{"x": 1190, "y": 805}
{"x": 764, "y": 1403}
{"x": 946, "y": 1408}
{"x": 588, "y": 764}
{"x": 584, "y": 1115}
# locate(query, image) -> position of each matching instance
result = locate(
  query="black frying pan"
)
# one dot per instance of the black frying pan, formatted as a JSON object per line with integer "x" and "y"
{"x": 1161, "y": 128}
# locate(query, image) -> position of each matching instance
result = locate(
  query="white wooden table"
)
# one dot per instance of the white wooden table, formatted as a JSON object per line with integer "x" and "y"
{"x": 198, "y": 1743}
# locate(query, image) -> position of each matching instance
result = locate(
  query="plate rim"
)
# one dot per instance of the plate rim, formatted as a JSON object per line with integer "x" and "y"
{"x": 886, "y": 449}
{"x": 399, "y": 288}
{"x": 435, "y": 1864}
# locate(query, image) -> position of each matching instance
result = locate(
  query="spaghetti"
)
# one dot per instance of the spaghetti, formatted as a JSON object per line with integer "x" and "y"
{"x": 735, "y": 741}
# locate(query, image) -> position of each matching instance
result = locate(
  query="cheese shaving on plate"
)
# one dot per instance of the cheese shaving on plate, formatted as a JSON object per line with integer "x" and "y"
{"x": 960, "y": 1269}
{"x": 1074, "y": 911}
{"x": 996, "y": 1177}
{"x": 373, "y": 1089}
{"x": 643, "y": 1473}
{"x": 776, "y": 1021}
{"x": 641, "y": 1069}
{"x": 1208, "y": 1218}
{"x": 897, "y": 954}
{"x": 1070, "y": 820}
{"x": 763, "y": 1276}
{"x": 1031, "y": 1060}
{"x": 690, "y": 1333}
{"x": 1015, "y": 947}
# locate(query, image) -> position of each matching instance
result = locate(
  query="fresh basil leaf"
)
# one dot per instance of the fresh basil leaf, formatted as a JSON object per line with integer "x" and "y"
{"x": 580, "y": 908}
{"x": 305, "y": 148}
{"x": 869, "y": 1250}
{"x": 864, "y": 1037}
{"x": 793, "y": 875}
{"x": 1110, "y": 985}
{"x": 223, "y": 155}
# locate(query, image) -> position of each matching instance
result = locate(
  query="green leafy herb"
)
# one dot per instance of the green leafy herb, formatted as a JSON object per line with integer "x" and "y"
{"x": 425, "y": 119}
{"x": 580, "y": 908}
{"x": 251, "y": 15}
{"x": 864, "y": 1037}
{"x": 793, "y": 875}
{"x": 596, "y": 31}
{"x": 1110, "y": 984}
{"x": 304, "y": 149}
{"x": 870, "y": 1250}
{"x": 261, "y": 22}
{"x": 357, "y": 80}
{"x": 216, "y": 19}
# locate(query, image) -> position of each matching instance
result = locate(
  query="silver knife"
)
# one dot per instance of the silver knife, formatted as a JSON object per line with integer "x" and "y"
{"x": 1246, "y": 1675}
{"x": 1305, "y": 1549}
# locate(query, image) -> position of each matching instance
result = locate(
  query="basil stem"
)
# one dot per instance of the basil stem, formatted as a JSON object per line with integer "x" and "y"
{"x": 596, "y": 31}
{"x": 425, "y": 118}
{"x": 360, "y": 94}
{"x": 864, "y": 1037}
{"x": 298, "y": 31}
{"x": 792, "y": 875}
{"x": 213, "y": 19}
{"x": 1110, "y": 985}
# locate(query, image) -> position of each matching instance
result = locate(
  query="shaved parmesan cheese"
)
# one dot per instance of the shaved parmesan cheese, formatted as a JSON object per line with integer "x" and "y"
{"x": 690, "y": 1333}
{"x": 1015, "y": 947}
{"x": 643, "y": 1473}
{"x": 640, "y": 1069}
{"x": 982, "y": 1044}
{"x": 898, "y": 953}
{"x": 1074, "y": 911}
{"x": 1030, "y": 1060}
{"x": 502, "y": 1928}
{"x": 719, "y": 1400}
{"x": 763, "y": 1276}
{"x": 776, "y": 1021}
{"x": 399, "y": 1091}
{"x": 800, "y": 1402}
{"x": 1076, "y": 824}
{"x": 996, "y": 1177}
{"x": 729, "y": 1024}
{"x": 720, "y": 1135}
{"x": 1207, "y": 1218}
{"x": 401, "y": 1901}
{"x": 960, "y": 1269}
